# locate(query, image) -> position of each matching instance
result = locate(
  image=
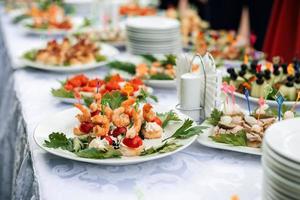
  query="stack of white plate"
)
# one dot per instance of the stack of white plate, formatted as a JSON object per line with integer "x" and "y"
{"x": 153, "y": 35}
{"x": 281, "y": 161}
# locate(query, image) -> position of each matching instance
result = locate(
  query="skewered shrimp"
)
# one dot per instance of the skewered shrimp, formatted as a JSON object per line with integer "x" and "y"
{"x": 148, "y": 114}
{"x": 127, "y": 105}
{"x": 102, "y": 125}
{"x": 108, "y": 112}
{"x": 137, "y": 124}
{"x": 120, "y": 118}
{"x": 85, "y": 116}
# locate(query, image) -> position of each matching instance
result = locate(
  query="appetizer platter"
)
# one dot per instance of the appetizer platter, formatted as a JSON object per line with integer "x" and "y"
{"x": 266, "y": 80}
{"x": 232, "y": 128}
{"x": 115, "y": 131}
{"x": 69, "y": 54}
{"x": 49, "y": 19}
{"x": 190, "y": 24}
{"x": 155, "y": 71}
{"x": 80, "y": 88}
{"x": 225, "y": 46}
{"x": 133, "y": 9}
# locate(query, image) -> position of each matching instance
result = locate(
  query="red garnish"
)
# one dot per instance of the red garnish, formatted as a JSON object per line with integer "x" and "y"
{"x": 112, "y": 86}
{"x": 136, "y": 81}
{"x": 109, "y": 140}
{"x": 95, "y": 83}
{"x": 118, "y": 131}
{"x": 68, "y": 87}
{"x": 86, "y": 127}
{"x": 133, "y": 142}
{"x": 87, "y": 89}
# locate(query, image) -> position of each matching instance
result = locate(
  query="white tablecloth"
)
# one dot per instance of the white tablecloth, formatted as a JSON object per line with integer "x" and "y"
{"x": 197, "y": 172}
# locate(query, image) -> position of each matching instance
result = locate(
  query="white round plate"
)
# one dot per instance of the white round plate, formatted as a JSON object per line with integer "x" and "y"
{"x": 284, "y": 138}
{"x": 107, "y": 50}
{"x": 65, "y": 121}
{"x": 284, "y": 186}
{"x": 152, "y": 23}
{"x": 281, "y": 170}
{"x": 205, "y": 140}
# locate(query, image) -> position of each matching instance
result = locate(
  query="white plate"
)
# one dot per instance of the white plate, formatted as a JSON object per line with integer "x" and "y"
{"x": 106, "y": 50}
{"x": 281, "y": 160}
{"x": 284, "y": 138}
{"x": 152, "y": 23}
{"x": 65, "y": 121}
{"x": 206, "y": 141}
{"x": 271, "y": 103}
{"x": 76, "y": 23}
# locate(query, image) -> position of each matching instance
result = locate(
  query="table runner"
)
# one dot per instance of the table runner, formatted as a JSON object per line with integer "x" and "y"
{"x": 195, "y": 173}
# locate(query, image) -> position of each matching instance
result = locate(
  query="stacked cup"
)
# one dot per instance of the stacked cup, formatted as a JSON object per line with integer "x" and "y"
{"x": 281, "y": 161}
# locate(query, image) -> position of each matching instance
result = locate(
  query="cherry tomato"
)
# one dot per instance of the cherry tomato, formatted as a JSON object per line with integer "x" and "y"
{"x": 86, "y": 127}
{"x": 133, "y": 142}
{"x": 112, "y": 86}
{"x": 118, "y": 131}
{"x": 136, "y": 81}
{"x": 95, "y": 82}
{"x": 108, "y": 139}
{"x": 87, "y": 89}
{"x": 68, "y": 87}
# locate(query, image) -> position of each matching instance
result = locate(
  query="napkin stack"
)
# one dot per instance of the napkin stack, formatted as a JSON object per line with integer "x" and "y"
{"x": 198, "y": 88}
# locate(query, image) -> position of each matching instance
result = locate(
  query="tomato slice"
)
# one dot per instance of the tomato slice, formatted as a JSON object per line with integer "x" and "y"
{"x": 133, "y": 142}
{"x": 109, "y": 140}
{"x": 68, "y": 87}
{"x": 118, "y": 131}
{"x": 86, "y": 127}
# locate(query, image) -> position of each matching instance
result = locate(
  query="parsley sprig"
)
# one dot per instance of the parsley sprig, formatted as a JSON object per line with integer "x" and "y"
{"x": 238, "y": 139}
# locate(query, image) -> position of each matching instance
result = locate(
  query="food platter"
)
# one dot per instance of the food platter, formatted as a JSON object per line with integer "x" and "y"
{"x": 64, "y": 122}
{"x": 107, "y": 50}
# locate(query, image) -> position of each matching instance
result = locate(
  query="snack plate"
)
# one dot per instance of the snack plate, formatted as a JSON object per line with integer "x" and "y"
{"x": 65, "y": 121}
{"x": 106, "y": 50}
{"x": 206, "y": 141}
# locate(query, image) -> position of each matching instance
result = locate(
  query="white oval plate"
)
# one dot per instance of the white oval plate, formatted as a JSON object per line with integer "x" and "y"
{"x": 76, "y": 21}
{"x": 271, "y": 103}
{"x": 206, "y": 141}
{"x": 106, "y": 50}
{"x": 65, "y": 121}
{"x": 284, "y": 138}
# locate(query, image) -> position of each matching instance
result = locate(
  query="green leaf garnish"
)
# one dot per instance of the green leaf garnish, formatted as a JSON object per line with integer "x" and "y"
{"x": 144, "y": 95}
{"x": 238, "y": 139}
{"x": 161, "y": 76}
{"x": 186, "y": 130}
{"x": 98, "y": 154}
{"x": 215, "y": 117}
{"x": 20, "y": 18}
{"x": 30, "y": 55}
{"x": 124, "y": 66}
{"x": 62, "y": 92}
{"x": 169, "y": 59}
{"x": 149, "y": 58}
{"x": 113, "y": 99}
{"x": 164, "y": 148}
{"x": 167, "y": 117}
{"x": 100, "y": 58}
{"x": 59, "y": 140}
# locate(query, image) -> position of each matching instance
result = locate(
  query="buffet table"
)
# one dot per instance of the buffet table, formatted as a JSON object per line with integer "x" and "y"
{"x": 197, "y": 172}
